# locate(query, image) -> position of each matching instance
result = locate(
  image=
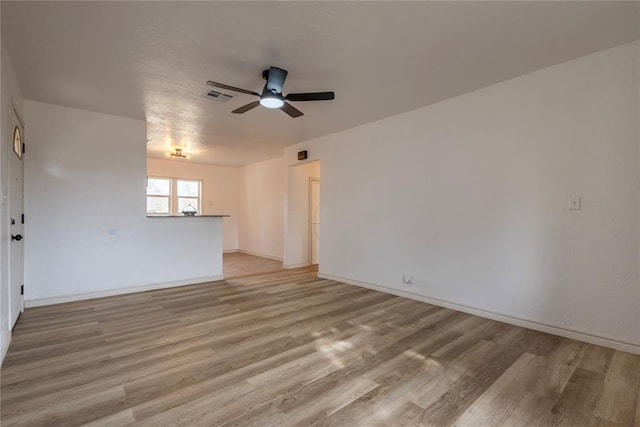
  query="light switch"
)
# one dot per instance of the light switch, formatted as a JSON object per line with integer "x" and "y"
{"x": 575, "y": 203}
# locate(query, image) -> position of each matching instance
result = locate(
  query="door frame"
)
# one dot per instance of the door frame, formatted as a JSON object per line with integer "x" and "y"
{"x": 310, "y": 221}
{"x": 16, "y": 121}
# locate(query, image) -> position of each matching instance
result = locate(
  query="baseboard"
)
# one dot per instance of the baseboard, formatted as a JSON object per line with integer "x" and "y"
{"x": 290, "y": 266}
{"x": 38, "y": 302}
{"x": 501, "y": 317}
{"x": 260, "y": 254}
{"x": 4, "y": 346}
{"x": 230, "y": 251}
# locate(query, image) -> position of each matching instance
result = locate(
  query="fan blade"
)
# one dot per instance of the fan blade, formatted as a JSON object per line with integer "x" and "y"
{"x": 275, "y": 79}
{"x": 291, "y": 110}
{"x": 235, "y": 89}
{"x": 245, "y": 108}
{"x": 311, "y": 96}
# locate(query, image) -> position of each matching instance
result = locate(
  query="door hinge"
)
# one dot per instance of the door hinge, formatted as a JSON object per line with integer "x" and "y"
{"x": 24, "y": 147}
{"x": 23, "y": 218}
{"x": 22, "y": 290}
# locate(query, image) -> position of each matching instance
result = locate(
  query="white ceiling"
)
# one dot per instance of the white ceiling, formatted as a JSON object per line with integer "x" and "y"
{"x": 150, "y": 60}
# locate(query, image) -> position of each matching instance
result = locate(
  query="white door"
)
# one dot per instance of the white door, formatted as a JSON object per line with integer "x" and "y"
{"x": 314, "y": 219}
{"x": 15, "y": 204}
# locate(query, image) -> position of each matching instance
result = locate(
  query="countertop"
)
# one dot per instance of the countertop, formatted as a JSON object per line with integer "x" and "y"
{"x": 188, "y": 216}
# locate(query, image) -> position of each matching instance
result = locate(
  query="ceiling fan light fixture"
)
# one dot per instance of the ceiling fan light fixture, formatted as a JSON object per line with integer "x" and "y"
{"x": 271, "y": 102}
{"x": 271, "y": 96}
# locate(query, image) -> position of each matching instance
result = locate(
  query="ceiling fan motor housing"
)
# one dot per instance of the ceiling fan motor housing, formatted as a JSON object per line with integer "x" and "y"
{"x": 275, "y": 78}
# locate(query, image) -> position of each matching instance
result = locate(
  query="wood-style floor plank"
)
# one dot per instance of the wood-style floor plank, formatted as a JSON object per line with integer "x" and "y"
{"x": 288, "y": 349}
{"x": 238, "y": 264}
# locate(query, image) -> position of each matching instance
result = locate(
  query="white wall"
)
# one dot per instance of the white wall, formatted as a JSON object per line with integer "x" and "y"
{"x": 470, "y": 196}
{"x": 86, "y": 230}
{"x": 261, "y": 204}
{"x": 10, "y": 97}
{"x": 220, "y": 186}
{"x": 296, "y": 247}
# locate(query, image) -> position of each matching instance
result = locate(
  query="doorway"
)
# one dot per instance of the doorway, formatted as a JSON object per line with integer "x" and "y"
{"x": 16, "y": 220}
{"x": 314, "y": 221}
{"x": 302, "y": 218}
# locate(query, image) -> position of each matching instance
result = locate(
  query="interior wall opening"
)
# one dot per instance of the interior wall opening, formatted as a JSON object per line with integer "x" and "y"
{"x": 303, "y": 227}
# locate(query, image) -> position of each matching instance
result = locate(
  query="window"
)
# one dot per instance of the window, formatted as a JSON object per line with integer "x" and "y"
{"x": 188, "y": 194}
{"x": 17, "y": 142}
{"x": 158, "y": 196}
{"x": 167, "y": 196}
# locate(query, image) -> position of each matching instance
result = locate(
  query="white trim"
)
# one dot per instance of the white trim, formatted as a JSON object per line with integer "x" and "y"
{"x": 501, "y": 317}
{"x": 290, "y": 266}
{"x": 260, "y": 254}
{"x": 230, "y": 251}
{"x": 37, "y": 302}
{"x": 310, "y": 222}
{"x": 173, "y": 194}
{"x": 4, "y": 346}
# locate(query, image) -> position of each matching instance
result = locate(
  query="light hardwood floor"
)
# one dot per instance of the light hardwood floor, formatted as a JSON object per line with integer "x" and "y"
{"x": 289, "y": 349}
{"x": 238, "y": 264}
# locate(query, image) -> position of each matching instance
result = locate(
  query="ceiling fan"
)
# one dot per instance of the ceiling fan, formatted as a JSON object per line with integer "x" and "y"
{"x": 271, "y": 96}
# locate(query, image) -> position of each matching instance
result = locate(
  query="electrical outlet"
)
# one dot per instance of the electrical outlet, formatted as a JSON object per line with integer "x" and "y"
{"x": 407, "y": 279}
{"x": 575, "y": 203}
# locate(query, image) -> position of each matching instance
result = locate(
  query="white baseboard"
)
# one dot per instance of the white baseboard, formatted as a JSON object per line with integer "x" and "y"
{"x": 4, "y": 345}
{"x": 260, "y": 254}
{"x": 38, "y": 302}
{"x": 501, "y": 317}
{"x": 230, "y": 251}
{"x": 290, "y": 266}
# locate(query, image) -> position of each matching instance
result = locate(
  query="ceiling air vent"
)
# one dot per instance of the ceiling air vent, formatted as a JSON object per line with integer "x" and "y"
{"x": 218, "y": 96}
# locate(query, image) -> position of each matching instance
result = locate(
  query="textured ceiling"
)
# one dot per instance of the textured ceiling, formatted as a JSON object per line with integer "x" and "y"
{"x": 150, "y": 60}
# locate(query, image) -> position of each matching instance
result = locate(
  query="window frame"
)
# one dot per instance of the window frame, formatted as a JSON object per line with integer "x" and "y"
{"x": 173, "y": 194}
{"x": 198, "y": 198}
{"x": 169, "y": 197}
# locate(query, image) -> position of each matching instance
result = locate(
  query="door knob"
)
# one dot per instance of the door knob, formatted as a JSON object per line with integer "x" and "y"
{"x": 17, "y": 237}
